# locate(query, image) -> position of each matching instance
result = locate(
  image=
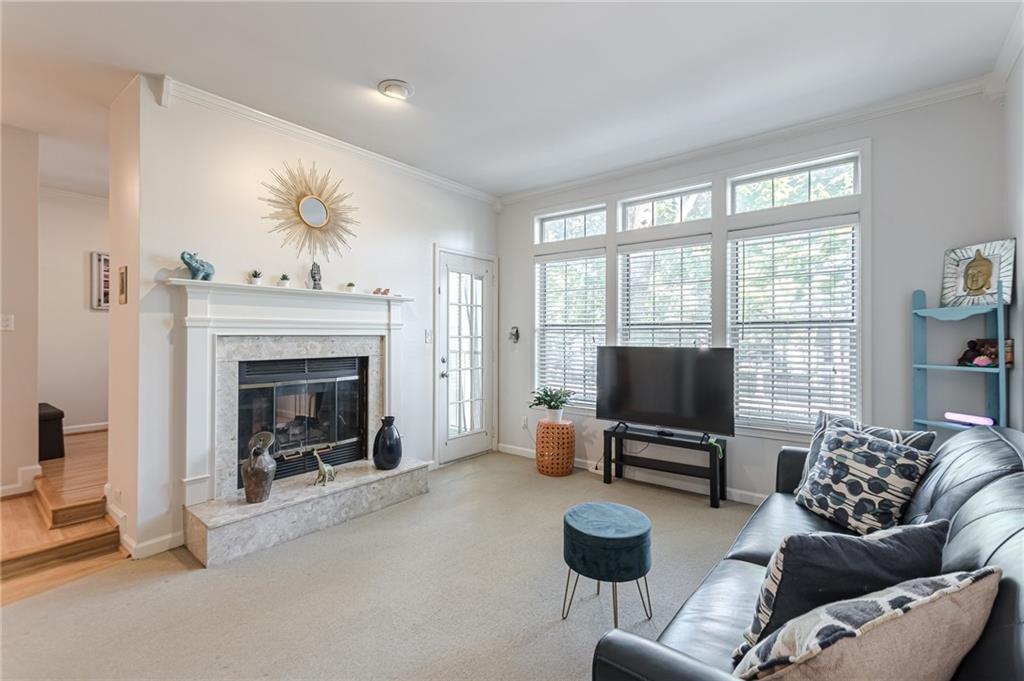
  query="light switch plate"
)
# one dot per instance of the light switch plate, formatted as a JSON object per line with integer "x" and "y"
{"x": 7, "y": 322}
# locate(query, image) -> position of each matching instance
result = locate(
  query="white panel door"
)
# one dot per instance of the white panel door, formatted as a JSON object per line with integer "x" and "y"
{"x": 464, "y": 340}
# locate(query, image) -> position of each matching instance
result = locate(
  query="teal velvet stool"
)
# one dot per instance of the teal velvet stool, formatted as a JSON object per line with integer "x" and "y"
{"x": 608, "y": 543}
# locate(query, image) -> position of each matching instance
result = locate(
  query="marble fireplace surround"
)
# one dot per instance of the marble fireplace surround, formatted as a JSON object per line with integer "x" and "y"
{"x": 231, "y": 350}
{"x": 228, "y": 323}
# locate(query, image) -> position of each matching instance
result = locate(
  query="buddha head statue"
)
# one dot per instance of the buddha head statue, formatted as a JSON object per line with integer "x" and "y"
{"x": 978, "y": 275}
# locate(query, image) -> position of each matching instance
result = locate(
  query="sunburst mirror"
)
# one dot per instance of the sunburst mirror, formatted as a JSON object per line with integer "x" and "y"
{"x": 310, "y": 212}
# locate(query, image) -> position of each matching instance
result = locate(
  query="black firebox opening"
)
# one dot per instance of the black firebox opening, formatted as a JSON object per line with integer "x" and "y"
{"x": 308, "y": 404}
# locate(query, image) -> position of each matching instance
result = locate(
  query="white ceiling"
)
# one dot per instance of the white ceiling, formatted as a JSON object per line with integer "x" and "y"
{"x": 508, "y": 96}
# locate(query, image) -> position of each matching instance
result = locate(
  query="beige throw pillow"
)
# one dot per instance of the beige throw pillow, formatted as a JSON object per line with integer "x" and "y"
{"x": 918, "y": 630}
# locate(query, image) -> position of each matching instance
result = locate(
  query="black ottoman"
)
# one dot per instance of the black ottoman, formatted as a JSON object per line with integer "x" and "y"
{"x": 51, "y": 432}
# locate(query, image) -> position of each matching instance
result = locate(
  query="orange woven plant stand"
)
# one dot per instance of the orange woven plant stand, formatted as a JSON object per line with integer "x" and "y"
{"x": 556, "y": 447}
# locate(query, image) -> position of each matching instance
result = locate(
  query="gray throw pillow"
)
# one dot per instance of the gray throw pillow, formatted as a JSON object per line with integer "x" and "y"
{"x": 918, "y": 439}
{"x": 808, "y": 570}
{"x": 862, "y": 482}
{"x": 918, "y": 630}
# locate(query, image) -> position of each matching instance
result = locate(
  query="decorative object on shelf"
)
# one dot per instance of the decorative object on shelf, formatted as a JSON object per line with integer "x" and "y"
{"x": 350, "y": 286}
{"x": 284, "y": 281}
{"x": 989, "y": 347}
{"x": 971, "y": 274}
{"x": 199, "y": 268}
{"x": 969, "y": 419}
{"x": 314, "y": 277}
{"x": 255, "y": 277}
{"x": 310, "y": 211}
{"x": 324, "y": 471}
{"x": 556, "y": 447}
{"x": 553, "y": 399}
{"x": 387, "y": 445}
{"x": 381, "y": 291}
{"x": 969, "y": 355}
{"x": 100, "y": 299}
{"x": 259, "y": 469}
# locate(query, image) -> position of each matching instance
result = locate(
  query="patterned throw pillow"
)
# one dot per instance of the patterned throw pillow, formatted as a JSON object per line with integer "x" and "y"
{"x": 808, "y": 570}
{"x": 862, "y": 482}
{"x": 896, "y": 627}
{"x": 918, "y": 439}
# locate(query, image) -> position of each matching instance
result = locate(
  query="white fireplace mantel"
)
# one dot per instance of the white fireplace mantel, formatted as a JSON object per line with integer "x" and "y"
{"x": 213, "y": 309}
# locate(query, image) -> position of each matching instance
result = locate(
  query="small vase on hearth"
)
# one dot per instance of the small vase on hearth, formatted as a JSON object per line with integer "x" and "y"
{"x": 387, "y": 445}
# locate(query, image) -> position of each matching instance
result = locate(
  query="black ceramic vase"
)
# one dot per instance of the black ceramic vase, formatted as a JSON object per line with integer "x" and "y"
{"x": 387, "y": 445}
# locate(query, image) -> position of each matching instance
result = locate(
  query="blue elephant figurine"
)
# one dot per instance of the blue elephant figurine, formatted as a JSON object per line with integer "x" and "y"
{"x": 200, "y": 269}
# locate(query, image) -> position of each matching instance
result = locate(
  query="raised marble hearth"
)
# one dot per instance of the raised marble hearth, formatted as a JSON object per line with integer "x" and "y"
{"x": 226, "y": 528}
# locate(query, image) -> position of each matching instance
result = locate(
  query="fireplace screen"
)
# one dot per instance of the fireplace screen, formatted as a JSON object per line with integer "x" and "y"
{"x": 309, "y": 405}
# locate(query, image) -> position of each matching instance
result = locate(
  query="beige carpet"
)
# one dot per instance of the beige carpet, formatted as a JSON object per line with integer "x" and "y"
{"x": 462, "y": 583}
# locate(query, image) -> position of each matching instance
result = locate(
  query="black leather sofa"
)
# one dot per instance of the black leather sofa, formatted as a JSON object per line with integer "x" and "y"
{"x": 976, "y": 481}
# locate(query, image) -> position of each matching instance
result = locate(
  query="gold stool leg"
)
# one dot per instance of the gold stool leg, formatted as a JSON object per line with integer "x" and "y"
{"x": 565, "y": 610}
{"x": 615, "y": 604}
{"x": 648, "y": 606}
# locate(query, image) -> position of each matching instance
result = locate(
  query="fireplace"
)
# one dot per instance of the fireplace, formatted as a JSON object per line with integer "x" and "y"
{"x": 314, "y": 404}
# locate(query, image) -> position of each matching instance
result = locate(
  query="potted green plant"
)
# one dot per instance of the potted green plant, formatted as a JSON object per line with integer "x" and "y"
{"x": 552, "y": 399}
{"x": 255, "y": 277}
{"x": 284, "y": 281}
{"x": 350, "y": 286}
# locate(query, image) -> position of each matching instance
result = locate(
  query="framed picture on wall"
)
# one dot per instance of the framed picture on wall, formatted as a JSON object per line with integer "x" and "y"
{"x": 100, "y": 277}
{"x": 971, "y": 274}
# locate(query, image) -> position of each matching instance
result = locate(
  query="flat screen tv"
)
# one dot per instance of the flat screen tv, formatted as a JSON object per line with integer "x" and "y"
{"x": 684, "y": 388}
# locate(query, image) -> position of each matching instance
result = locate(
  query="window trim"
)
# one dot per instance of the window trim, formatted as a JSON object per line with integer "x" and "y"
{"x": 760, "y": 176}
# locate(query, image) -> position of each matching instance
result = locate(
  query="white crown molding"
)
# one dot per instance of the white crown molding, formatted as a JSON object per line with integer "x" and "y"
{"x": 1009, "y": 53}
{"x": 46, "y": 191}
{"x": 964, "y": 88}
{"x": 194, "y": 95}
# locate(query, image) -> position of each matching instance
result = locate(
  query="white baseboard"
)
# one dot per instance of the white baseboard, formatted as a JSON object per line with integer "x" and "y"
{"x": 653, "y": 477}
{"x": 151, "y": 547}
{"x": 26, "y": 474}
{"x": 85, "y": 428}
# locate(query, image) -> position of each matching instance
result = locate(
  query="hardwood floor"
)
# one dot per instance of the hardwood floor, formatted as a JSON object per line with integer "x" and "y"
{"x": 60, "y": 531}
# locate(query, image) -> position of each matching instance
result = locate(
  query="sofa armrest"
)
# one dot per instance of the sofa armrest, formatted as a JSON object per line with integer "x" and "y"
{"x": 790, "y": 468}
{"x": 621, "y": 656}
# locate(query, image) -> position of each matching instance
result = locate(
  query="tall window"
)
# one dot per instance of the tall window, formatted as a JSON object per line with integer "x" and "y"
{"x": 793, "y": 321}
{"x": 665, "y": 294}
{"x": 825, "y": 179}
{"x": 570, "y": 322}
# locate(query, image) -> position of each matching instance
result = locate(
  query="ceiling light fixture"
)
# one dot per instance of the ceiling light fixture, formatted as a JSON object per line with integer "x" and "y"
{"x": 395, "y": 89}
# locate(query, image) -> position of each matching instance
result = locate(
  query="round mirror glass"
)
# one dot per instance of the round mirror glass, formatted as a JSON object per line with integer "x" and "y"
{"x": 313, "y": 211}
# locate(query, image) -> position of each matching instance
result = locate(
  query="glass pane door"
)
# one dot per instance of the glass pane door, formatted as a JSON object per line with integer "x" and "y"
{"x": 465, "y": 353}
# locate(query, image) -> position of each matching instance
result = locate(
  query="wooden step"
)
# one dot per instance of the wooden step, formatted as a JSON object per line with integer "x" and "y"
{"x": 46, "y": 576}
{"x": 28, "y": 542}
{"x": 61, "y": 508}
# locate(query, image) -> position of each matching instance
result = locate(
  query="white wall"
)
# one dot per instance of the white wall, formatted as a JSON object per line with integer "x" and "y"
{"x": 1014, "y": 112}
{"x": 936, "y": 182}
{"x": 72, "y": 336}
{"x": 19, "y": 415}
{"x": 202, "y": 162}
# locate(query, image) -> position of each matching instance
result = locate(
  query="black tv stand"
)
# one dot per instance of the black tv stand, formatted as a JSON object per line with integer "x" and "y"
{"x": 714, "y": 472}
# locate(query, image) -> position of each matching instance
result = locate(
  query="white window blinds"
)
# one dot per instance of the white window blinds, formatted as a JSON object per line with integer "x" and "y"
{"x": 793, "y": 321}
{"x": 665, "y": 294}
{"x": 570, "y": 322}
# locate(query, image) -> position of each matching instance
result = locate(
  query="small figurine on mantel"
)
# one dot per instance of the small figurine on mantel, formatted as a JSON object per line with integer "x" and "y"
{"x": 200, "y": 269}
{"x": 314, "y": 276}
{"x": 324, "y": 471}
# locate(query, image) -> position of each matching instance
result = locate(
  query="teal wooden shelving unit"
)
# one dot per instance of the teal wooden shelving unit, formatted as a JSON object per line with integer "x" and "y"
{"x": 995, "y": 377}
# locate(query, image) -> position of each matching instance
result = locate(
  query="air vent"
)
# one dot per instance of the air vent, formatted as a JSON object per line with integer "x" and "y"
{"x": 336, "y": 366}
{"x": 277, "y": 369}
